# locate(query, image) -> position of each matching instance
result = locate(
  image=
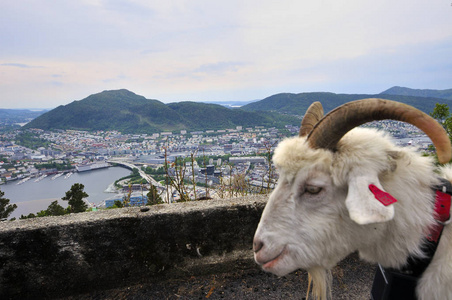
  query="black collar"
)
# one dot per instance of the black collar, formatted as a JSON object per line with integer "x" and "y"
{"x": 416, "y": 266}
{"x": 401, "y": 284}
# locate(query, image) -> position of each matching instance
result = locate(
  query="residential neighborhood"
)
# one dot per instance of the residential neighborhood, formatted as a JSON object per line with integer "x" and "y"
{"x": 218, "y": 157}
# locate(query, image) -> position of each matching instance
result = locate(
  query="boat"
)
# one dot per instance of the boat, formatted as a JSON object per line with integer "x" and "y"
{"x": 92, "y": 166}
{"x": 23, "y": 180}
{"x": 56, "y": 176}
{"x": 68, "y": 175}
{"x": 41, "y": 178}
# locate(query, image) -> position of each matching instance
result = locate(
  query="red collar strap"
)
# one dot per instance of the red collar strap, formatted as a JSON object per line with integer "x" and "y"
{"x": 442, "y": 207}
{"x": 442, "y": 214}
{"x": 416, "y": 266}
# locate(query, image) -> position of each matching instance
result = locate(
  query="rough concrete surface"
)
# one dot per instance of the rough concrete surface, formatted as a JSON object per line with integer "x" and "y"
{"x": 192, "y": 250}
{"x": 352, "y": 279}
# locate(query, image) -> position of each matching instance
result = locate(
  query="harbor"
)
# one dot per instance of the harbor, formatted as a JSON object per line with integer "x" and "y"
{"x": 31, "y": 196}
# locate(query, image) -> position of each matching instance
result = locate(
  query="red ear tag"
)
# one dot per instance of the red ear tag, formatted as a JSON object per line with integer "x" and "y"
{"x": 382, "y": 196}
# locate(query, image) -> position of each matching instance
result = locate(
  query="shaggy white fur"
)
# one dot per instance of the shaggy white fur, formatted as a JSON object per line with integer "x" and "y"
{"x": 321, "y": 209}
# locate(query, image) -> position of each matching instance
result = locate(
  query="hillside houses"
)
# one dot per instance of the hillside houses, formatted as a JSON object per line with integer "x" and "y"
{"x": 74, "y": 146}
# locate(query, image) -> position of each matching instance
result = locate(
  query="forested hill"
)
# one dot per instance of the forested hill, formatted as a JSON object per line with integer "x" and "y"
{"x": 127, "y": 112}
{"x": 298, "y": 103}
{"x": 398, "y": 90}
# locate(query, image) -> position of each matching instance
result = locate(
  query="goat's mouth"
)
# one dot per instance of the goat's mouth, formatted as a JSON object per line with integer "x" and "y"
{"x": 269, "y": 264}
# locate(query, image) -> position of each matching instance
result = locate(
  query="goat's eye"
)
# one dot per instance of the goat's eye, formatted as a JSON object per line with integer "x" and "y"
{"x": 311, "y": 189}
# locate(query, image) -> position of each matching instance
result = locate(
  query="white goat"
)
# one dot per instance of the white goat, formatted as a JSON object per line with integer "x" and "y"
{"x": 322, "y": 208}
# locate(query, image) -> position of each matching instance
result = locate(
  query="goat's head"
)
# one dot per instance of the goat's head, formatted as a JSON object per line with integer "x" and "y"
{"x": 322, "y": 208}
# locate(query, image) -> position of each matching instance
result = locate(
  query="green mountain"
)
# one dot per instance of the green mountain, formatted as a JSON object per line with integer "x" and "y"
{"x": 110, "y": 110}
{"x": 398, "y": 90}
{"x": 213, "y": 116}
{"x": 297, "y": 104}
{"x": 127, "y": 112}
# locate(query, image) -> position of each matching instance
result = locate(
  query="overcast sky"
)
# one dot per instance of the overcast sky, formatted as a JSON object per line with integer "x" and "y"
{"x": 55, "y": 52}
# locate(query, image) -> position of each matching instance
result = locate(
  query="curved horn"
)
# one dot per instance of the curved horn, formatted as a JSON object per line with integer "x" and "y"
{"x": 313, "y": 114}
{"x": 328, "y": 131}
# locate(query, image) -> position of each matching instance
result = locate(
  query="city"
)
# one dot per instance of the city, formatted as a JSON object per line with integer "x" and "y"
{"x": 221, "y": 163}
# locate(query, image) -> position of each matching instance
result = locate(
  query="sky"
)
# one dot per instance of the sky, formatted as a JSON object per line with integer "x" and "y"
{"x": 55, "y": 52}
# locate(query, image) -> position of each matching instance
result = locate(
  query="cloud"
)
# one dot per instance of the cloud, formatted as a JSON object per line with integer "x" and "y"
{"x": 219, "y": 68}
{"x": 230, "y": 48}
{"x": 118, "y": 78}
{"x": 18, "y": 65}
{"x": 129, "y": 8}
{"x": 56, "y": 83}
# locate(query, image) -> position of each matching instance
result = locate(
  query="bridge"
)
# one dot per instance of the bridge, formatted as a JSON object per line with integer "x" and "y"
{"x": 131, "y": 166}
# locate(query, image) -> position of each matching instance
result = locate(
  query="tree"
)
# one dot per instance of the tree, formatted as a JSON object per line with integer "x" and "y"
{"x": 440, "y": 112}
{"x": 75, "y": 197}
{"x": 118, "y": 204}
{"x": 135, "y": 172}
{"x": 30, "y": 216}
{"x": 126, "y": 198}
{"x": 192, "y": 160}
{"x": 5, "y": 208}
{"x": 442, "y": 115}
{"x": 176, "y": 178}
{"x": 55, "y": 209}
{"x": 153, "y": 196}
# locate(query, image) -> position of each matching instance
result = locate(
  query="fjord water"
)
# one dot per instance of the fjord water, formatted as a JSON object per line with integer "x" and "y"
{"x": 31, "y": 196}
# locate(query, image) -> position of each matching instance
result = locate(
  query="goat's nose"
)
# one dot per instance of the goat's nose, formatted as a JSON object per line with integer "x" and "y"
{"x": 257, "y": 245}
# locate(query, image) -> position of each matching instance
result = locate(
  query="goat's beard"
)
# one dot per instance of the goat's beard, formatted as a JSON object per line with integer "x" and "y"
{"x": 321, "y": 279}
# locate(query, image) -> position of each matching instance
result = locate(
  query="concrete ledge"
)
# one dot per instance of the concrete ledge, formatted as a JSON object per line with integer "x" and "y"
{"x": 69, "y": 255}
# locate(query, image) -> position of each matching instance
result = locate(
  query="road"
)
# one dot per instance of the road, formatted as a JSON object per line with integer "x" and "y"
{"x": 131, "y": 166}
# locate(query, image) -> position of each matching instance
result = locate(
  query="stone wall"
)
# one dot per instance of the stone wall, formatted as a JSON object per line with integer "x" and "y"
{"x": 56, "y": 257}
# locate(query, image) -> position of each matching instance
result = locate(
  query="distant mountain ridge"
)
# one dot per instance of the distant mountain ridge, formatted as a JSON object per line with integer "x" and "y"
{"x": 230, "y": 104}
{"x": 12, "y": 117}
{"x": 403, "y": 91}
{"x": 297, "y": 104}
{"x": 127, "y": 112}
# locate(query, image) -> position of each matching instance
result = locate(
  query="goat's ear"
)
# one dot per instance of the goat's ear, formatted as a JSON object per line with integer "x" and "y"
{"x": 361, "y": 203}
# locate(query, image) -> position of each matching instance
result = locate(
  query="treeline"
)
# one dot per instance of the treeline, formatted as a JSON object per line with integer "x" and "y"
{"x": 30, "y": 140}
{"x": 134, "y": 178}
{"x": 53, "y": 165}
{"x": 76, "y": 204}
